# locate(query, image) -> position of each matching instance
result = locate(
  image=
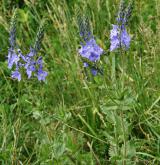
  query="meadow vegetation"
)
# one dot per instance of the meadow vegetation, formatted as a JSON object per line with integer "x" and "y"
{"x": 75, "y": 118}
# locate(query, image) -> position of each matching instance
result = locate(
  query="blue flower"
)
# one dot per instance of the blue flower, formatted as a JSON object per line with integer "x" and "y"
{"x": 114, "y": 37}
{"x": 91, "y": 51}
{"x": 16, "y": 74}
{"x": 27, "y": 62}
{"x": 32, "y": 52}
{"x": 30, "y": 64}
{"x": 41, "y": 75}
{"x": 40, "y": 62}
{"x": 13, "y": 58}
{"x": 30, "y": 67}
{"x": 85, "y": 65}
{"x": 119, "y": 38}
{"x": 94, "y": 71}
{"x": 125, "y": 38}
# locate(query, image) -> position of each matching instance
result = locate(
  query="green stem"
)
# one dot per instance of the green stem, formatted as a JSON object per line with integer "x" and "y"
{"x": 113, "y": 72}
{"x": 124, "y": 139}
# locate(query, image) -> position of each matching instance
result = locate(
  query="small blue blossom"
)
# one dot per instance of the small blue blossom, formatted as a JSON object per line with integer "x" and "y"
{"x": 16, "y": 74}
{"x": 13, "y": 58}
{"x": 125, "y": 38}
{"x": 28, "y": 62}
{"x": 40, "y": 62}
{"x": 85, "y": 65}
{"x": 114, "y": 37}
{"x": 41, "y": 75}
{"x": 35, "y": 66}
{"x": 32, "y": 52}
{"x": 30, "y": 67}
{"x": 94, "y": 71}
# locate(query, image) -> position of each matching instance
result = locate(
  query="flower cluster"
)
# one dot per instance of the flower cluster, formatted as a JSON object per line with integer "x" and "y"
{"x": 89, "y": 49}
{"x": 27, "y": 62}
{"x": 30, "y": 62}
{"x": 119, "y": 36}
{"x": 92, "y": 52}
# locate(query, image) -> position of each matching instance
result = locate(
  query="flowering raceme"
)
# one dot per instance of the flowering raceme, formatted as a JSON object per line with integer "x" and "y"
{"x": 119, "y": 36}
{"x": 89, "y": 49}
{"x": 26, "y": 62}
{"x": 92, "y": 52}
{"x": 30, "y": 62}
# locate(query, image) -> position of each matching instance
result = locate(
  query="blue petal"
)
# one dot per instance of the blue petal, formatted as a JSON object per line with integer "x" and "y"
{"x": 41, "y": 75}
{"x": 94, "y": 71}
{"x": 16, "y": 74}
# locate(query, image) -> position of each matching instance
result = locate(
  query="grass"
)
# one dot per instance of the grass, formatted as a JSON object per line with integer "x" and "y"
{"x": 112, "y": 118}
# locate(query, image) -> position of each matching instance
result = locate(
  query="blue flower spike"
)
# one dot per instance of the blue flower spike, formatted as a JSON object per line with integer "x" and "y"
{"x": 119, "y": 37}
{"x": 89, "y": 49}
{"x": 27, "y": 62}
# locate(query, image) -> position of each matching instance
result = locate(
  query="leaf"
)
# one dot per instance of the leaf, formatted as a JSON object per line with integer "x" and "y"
{"x": 23, "y": 16}
{"x": 130, "y": 149}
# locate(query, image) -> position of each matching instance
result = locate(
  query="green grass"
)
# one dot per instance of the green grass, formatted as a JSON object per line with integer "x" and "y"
{"x": 112, "y": 118}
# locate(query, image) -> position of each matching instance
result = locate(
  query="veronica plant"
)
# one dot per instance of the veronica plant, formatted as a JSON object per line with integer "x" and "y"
{"x": 89, "y": 51}
{"x": 120, "y": 39}
{"x": 31, "y": 63}
{"x": 119, "y": 36}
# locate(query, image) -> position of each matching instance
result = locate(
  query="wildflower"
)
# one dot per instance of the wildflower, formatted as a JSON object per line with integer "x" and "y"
{"x": 16, "y": 74}
{"x": 91, "y": 51}
{"x": 28, "y": 62}
{"x": 31, "y": 53}
{"x": 119, "y": 36}
{"x": 30, "y": 67}
{"x": 125, "y": 38}
{"x": 85, "y": 64}
{"x": 94, "y": 71}
{"x": 13, "y": 58}
{"x": 41, "y": 75}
